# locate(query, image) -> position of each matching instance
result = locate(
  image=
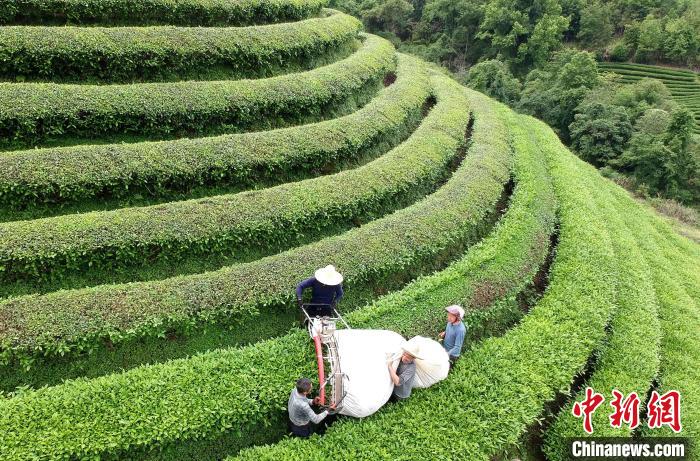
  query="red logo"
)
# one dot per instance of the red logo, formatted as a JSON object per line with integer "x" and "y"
{"x": 662, "y": 410}
{"x": 665, "y": 410}
{"x": 587, "y": 407}
{"x": 626, "y": 410}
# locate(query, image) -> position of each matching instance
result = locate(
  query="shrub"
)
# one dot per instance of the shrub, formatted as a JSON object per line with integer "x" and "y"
{"x": 422, "y": 235}
{"x": 209, "y": 395}
{"x": 493, "y": 78}
{"x": 31, "y": 113}
{"x": 600, "y": 132}
{"x": 620, "y": 52}
{"x": 129, "y": 54}
{"x": 182, "y": 12}
{"x": 33, "y": 177}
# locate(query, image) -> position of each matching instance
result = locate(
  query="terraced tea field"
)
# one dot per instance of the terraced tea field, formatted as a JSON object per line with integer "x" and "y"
{"x": 164, "y": 185}
{"x": 684, "y": 85}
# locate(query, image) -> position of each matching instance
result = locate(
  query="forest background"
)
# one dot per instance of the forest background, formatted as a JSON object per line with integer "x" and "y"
{"x": 541, "y": 58}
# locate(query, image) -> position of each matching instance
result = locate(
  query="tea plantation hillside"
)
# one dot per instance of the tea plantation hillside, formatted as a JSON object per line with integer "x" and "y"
{"x": 684, "y": 85}
{"x": 170, "y": 169}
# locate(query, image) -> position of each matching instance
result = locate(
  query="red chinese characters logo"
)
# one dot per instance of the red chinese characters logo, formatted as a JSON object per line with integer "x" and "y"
{"x": 626, "y": 410}
{"x": 587, "y": 407}
{"x": 665, "y": 410}
{"x": 662, "y": 410}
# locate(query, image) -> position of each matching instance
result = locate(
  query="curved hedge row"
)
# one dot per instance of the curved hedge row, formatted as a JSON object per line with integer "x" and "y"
{"x": 676, "y": 268}
{"x": 680, "y": 355}
{"x": 648, "y": 71}
{"x": 33, "y": 112}
{"x": 272, "y": 218}
{"x": 629, "y": 360}
{"x": 498, "y": 388}
{"x": 67, "y": 174}
{"x": 200, "y": 408}
{"x": 424, "y": 234}
{"x": 651, "y": 73}
{"x": 680, "y": 350}
{"x": 177, "y": 12}
{"x": 219, "y": 398}
{"x": 128, "y": 54}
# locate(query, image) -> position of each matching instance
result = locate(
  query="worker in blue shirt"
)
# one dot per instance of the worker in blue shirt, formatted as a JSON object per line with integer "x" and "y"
{"x": 455, "y": 331}
{"x": 326, "y": 288}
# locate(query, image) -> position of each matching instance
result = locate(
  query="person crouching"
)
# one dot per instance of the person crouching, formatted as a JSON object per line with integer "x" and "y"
{"x": 302, "y": 418}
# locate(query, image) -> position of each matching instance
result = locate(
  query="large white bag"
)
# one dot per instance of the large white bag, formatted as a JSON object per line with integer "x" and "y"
{"x": 434, "y": 364}
{"x": 363, "y": 358}
{"x": 363, "y": 355}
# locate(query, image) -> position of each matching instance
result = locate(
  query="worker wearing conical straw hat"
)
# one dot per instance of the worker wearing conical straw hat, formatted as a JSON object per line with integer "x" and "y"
{"x": 406, "y": 371}
{"x": 326, "y": 289}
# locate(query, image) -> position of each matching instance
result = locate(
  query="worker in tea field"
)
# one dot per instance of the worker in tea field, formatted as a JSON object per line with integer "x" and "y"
{"x": 405, "y": 373}
{"x": 302, "y": 418}
{"x": 455, "y": 331}
{"x": 326, "y": 288}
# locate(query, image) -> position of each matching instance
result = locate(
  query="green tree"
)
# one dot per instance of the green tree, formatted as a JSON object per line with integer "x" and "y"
{"x": 493, "y": 78}
{"x": 640, "y": 96}
{"x": 572, "y": 9}
{"x": 391, "y": 16}
{"x": 680, "y": 128}
{"x": 522, "y": 31}
{"x": 630, "y": 36}
{"x": 352, "y": 7}
{"x": 650, "y": 41}
{"x": 545, "y": 38}
{"x": 667, "y": 163}
{"x": 654, "y": 122}
{"x": 595, "y": 25}
{"x": 600, "y": 132}
{"x": 448, "y": 30}
{"x": 553, "y": 92}
{"x": 636, "y": 9}
{"x": 682, "y": 41}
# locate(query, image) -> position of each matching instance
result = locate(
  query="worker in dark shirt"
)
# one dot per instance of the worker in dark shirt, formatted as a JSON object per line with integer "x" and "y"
{"x": 326, "y": 288}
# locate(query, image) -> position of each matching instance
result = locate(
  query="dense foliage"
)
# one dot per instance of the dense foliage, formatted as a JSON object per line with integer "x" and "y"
{"x": 130, "y": 54}
{"x": 493, "y": 78}
{"x": 149, "y": 12}
{"x": 406, "y": 243}
{"x": 30, "y": 178}
{"x": 494, "y": 45}
{"x": 637, "y": 125}
{"x": 152, "y": 233}
{"x": 523, "y": 33}
{"x": 521, "y": 242}
{"x": 58, "y": 111}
